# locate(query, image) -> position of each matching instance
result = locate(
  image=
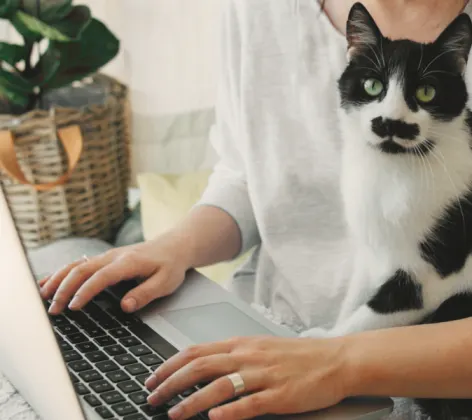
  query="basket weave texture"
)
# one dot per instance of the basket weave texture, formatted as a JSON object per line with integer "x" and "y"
{"x": 94, "y": 201}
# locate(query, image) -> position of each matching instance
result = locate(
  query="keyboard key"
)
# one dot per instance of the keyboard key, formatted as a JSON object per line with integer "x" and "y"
{"x": 112, "y": 397}
{"x": 80, "y": 366}
{"x": 78, "y": 317}
{"x": 104, "y": 412}
{"x": 101, "y": 386}
{"x": 65, "y": 346}
{"x": 86, "y": 347}
{"x": 122, "y": 317}
{"x": 143, "y": 378}
{"x": 96, "y": 356}
{"x": 100, "y": 316}
{"x": 94, "y": 331}
{"x": 68, "y": 329}
{"x": 114, "y": 350}
{"x": 137, "y": 416}
{"x": 118, "y": 376}
{"x": 59, "y": 320}
{"x": 72, "y": 355}
{"x": 73, "y": 378}
{"x": 188, "y": 392}
{"x": 125, "y": 359}
{"x": 153, "y": 340}
{"x": 173, "y": 402}
{"x": 150, "y": 360}
{"x": 150, "y": 410}
{"x": 105, "y": 341}
{"x": 154, "y": 367}
{"x": 136, "y": 369}
{"x": 140, "y": 350}
{"x": 130, "y": 341}
{"x": 139, "y": 398}
{"x": 122, "y": 409}
{"x": 107, "y": 366}
{"x": 92, "y": 400}
{"x": 119, "y": 333}
{"x": 90, "y": 376}
{"x": 81, "y": 389}
{"x": 77, "y": 338}
{"x": 129, "y": 387}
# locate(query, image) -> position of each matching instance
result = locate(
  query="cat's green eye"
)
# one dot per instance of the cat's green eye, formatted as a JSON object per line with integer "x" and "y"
{"x": 373, "y": 87}
{"x": 425, "y": 93}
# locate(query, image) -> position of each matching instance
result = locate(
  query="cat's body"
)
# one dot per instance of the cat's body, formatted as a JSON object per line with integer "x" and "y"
{"x": 407, "y": 182}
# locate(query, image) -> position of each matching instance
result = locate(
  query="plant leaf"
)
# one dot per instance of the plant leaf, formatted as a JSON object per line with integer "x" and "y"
{"x": 8, "y": 7}
{"x": 95, "y": 48}
{"x": 50, "y": 10}
{"x": 15, "y": 88}
{"x": 47, "y": 67}
{"x": 11, "y": 53}
{"x": 75, "y": 22}
{"x": 33, "y": 29}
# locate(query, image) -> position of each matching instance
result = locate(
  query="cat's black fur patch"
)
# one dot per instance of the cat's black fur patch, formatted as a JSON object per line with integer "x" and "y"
{"x": 455, "y": 308}
{"x": 468, "y": 121}
{"x": 393, "y": 148}
{"x": 399, "y": 293}
{"x": 388, "y": 128}
{"x": 449, "y": 244}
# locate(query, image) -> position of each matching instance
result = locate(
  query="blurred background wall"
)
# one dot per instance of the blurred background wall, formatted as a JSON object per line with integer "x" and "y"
{"x": 168, "y": 58}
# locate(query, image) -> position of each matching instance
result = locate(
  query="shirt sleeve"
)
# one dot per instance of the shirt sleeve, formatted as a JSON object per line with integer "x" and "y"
{"x": 227, "y": 188}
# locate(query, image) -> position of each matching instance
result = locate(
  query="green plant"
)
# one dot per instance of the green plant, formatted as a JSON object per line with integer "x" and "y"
{"x": 61, "y": 43}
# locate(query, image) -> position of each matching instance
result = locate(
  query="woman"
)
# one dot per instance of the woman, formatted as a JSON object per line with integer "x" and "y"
{"x": 276, "y": 188}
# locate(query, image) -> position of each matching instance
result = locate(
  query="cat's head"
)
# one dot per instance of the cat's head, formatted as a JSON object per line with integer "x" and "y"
{"x": 398, "y": 95}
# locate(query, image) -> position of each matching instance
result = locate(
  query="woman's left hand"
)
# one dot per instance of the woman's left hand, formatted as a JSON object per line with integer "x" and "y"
{"x": 281, "y": 376}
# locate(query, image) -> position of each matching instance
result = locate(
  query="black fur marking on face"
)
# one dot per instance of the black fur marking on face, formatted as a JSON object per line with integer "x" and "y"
{"x": 468, "y": 123}
{"x": 439, "y": 64}
{"x": 391, "y": 147}
{"x": 453, "y": 309}
{"x": 449, "y": 244}
{"x": 387, "y": 128}
{"x": 399, "y": 293}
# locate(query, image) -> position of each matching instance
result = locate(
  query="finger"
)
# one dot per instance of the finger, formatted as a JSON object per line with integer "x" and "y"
{"x": 119, "y": 270}
{"x": 72, "y": 281}
{"x": 214, "y": 394}
{"x": 44, "y": 280}
{"x": 183, "y": 358}
{"x": 248, "y": 407}
{"x": 159, "y": 285}
{"x": 50, "y": 287}
{"x": 197, "y": 371}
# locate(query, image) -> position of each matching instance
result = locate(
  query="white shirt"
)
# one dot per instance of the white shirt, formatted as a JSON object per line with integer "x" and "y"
{"x": 278, "y": 138}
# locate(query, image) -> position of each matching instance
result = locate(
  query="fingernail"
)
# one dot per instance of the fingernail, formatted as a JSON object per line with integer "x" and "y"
{"x": 130, "y": 304}
{"x": 175, "y": 413}
{"x": 43, "y": 291}
{"x": 54, "y": 307}
{"x": 215, "y": 414}
{"x": 151, "y": 382}
{"x": 153, "y": 399}
{"x": 75, "y": 302}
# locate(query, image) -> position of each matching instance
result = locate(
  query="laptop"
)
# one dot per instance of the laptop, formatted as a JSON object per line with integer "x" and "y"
{"x": 91, "y": 364}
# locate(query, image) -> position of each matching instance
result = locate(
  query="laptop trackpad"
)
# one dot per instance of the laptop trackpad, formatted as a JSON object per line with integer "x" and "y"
{"x": 215, "y": 322}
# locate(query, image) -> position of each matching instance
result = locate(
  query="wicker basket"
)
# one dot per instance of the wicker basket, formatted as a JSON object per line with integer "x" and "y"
{"x": 76, "y": 186}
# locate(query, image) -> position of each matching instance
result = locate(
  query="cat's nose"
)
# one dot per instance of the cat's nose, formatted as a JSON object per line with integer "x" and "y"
{"x": 387, "y": 128}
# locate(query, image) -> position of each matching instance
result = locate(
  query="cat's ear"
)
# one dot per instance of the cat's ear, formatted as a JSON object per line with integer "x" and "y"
{"x": 361, "y": 30}
{"x": 457, "y": 39}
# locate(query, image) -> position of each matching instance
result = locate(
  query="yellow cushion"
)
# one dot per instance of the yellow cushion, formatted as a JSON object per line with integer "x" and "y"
{"x": 166, "y": 199}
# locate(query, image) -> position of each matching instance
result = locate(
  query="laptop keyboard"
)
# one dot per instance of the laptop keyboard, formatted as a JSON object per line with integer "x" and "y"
{"x": 110, "y": 354}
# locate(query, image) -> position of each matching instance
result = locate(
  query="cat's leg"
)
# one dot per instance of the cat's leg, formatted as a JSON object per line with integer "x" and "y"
{"x": 398, "y": 302}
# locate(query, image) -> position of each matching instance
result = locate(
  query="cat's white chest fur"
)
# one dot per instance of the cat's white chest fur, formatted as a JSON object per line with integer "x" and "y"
{"x": 393, "y": 201}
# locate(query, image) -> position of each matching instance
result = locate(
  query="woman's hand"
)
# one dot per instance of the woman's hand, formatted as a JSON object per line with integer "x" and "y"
{"x": 281, "y": 376}
{"x": 161, "y": 262}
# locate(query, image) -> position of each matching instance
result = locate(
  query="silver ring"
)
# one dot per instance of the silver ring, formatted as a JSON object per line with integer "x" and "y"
{"x": 238, "y": 384}
{"x": 85, "y": 258}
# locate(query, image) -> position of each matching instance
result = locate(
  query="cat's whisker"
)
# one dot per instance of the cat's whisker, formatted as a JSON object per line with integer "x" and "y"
{"x": 379, "y": 64}
{"x": 437, "y": 72}
{"x": 421, "y": 57}
{"x": 382, "y": 53}
{"x": 437, "y": 58}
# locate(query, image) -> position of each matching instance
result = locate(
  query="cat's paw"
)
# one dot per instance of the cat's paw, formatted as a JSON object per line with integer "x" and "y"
{"x": 315, "y": 333}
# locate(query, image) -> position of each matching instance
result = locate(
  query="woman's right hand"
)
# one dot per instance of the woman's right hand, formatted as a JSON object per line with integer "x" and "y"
{"x": 161, "y": 262}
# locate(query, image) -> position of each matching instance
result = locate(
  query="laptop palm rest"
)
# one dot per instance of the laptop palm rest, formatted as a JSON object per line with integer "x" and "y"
{"x": 213, "y": 322}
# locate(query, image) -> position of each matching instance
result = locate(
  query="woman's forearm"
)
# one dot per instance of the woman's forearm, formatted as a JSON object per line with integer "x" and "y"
{"x": 207, "y": 235}
{"x": 427, "y": 361}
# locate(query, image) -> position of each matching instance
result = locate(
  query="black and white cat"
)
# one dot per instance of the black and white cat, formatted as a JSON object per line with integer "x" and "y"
{"x": 407, "y": 178}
